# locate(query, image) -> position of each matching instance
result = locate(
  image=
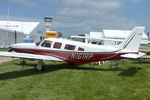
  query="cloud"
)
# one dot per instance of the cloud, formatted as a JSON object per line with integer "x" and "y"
{"x": 137, "y": 1}
{"x": 86, "y": 9}
{"x": 97, "y": 4}
{"x": 26, "y": 3}
{"x": 83, "y": 16}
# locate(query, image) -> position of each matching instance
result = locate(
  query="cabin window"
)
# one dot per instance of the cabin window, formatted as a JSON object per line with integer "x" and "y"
{"x": 69, "y": 47}
{"x": 80, "y": 49}
{"x": 57, "y": 45}
{"x": 46, "y": 43}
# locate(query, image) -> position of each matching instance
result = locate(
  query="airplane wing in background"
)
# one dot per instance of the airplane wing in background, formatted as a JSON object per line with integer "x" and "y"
{"x": 98, "y": 38}
{"x": 28, "y": 56}
{"x": 133, "y": 56}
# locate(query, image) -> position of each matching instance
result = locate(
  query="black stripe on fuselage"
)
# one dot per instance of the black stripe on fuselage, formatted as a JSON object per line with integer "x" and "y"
{"x": 129, "y": 41}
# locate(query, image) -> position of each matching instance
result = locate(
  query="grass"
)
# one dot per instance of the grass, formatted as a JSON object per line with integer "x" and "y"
{"x": 4, "y": 49}
{"x": 61, "y": 81}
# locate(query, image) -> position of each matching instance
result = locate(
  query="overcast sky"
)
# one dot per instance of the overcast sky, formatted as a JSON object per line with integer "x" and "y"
{"x": 81, "y": 16}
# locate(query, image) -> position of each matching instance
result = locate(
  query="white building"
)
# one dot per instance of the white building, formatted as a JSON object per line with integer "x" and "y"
{"x": 7, "y": 38}
{"x": 17, "y": 31}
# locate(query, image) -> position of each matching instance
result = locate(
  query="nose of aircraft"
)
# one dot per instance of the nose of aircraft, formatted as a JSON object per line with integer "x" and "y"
{"x": 13, "y": 46}
{"x": 16, "y": 46}
{"x": 23, "y": 45}
{"x": 19, "y": 45}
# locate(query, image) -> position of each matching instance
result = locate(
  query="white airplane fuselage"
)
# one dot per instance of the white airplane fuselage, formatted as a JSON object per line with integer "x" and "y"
{"x": 76, "y": 52}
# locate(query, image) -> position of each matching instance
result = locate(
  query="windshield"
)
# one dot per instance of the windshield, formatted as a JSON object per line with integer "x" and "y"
{"x": 38, "y": 43}
{"x": 46, "y": 43}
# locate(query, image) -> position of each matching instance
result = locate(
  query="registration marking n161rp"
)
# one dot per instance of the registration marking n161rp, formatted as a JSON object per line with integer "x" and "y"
{"x": 83, "y": 56}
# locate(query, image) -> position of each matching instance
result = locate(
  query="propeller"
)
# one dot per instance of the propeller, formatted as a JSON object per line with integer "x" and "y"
{"x": 10, "y": 50}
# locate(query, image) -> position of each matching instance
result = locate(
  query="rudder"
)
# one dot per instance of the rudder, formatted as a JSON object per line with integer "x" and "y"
{"x": 132, "y": 42}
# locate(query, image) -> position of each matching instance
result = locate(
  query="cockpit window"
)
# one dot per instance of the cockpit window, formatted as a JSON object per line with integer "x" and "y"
{"x": 37, "y": 43}
{"x": 57, "y": 45}
{"x": 46, "y": 43}
{"x": 69, "y": 47}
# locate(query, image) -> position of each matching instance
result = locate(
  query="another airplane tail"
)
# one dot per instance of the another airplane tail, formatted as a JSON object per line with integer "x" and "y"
{"x": 132, "y": 42}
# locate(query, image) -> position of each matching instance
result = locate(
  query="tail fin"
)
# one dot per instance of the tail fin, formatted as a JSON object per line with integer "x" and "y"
{"x": 132, "y": 42}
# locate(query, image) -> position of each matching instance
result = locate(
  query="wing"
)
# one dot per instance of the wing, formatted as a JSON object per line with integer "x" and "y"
{"x": 97, "y": 38}
{"x": 133, "y": 56}
{"x": 28, "y": 56}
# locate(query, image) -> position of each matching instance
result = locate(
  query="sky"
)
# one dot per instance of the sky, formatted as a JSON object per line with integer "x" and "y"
{"x": 81, "y": 16}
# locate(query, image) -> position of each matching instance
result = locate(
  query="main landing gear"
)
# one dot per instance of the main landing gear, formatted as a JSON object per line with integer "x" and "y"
{"x": 39, "y": 66}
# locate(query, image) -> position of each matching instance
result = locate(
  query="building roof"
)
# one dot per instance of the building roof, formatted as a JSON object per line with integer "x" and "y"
{"x": 20, "y": 26}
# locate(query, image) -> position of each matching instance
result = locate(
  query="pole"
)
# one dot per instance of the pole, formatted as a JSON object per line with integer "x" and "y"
{"x": 15, "y": 37}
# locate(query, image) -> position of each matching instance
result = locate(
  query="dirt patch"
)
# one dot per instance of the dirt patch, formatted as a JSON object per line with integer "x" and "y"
{"x": 5, "y": 59}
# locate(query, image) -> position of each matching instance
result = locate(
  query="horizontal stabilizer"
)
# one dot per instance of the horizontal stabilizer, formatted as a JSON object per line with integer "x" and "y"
{"x": 28, "y": 56}
{"x": 133, "y": 56}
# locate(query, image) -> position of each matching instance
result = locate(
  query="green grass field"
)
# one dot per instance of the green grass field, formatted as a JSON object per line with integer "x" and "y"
{"x": 4, "y": 49}
{"x": 60, "y": 81}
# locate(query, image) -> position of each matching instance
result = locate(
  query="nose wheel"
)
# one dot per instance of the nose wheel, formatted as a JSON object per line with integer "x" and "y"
{"x": 22, "y": 62}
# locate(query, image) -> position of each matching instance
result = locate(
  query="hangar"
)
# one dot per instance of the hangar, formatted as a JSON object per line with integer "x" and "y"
{"x": 19, "y": 31}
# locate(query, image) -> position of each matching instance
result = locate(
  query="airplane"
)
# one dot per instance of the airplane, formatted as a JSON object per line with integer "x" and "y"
{"x": 58, "y": 49}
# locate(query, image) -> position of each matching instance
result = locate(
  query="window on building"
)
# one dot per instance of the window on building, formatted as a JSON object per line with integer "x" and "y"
{"x": 57, "y": 45}
{"x": 69, "y": 47}
{"x": 46, "y": 43}
{"x": 80, "y": 49}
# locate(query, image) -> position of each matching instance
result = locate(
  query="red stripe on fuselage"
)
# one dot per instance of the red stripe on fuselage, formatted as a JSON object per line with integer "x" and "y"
{"x": 74, "y": 57}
